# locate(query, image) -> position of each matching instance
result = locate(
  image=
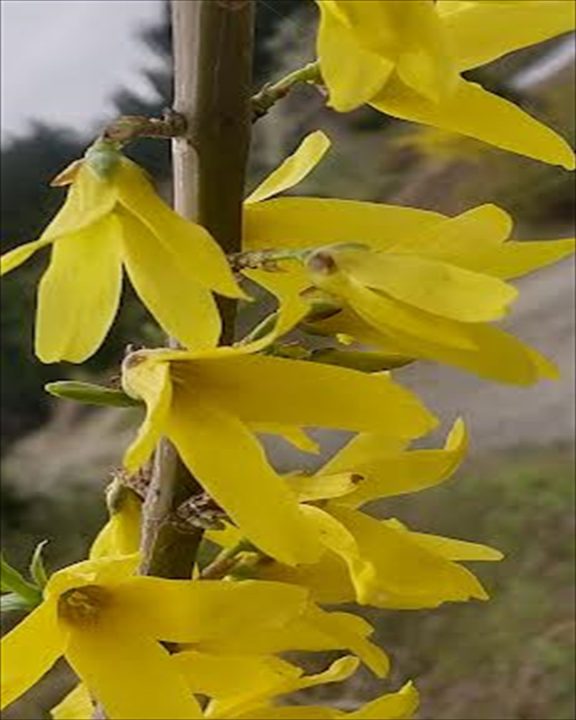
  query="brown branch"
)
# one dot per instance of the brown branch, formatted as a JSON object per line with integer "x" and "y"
{"x": 213, "y": 65}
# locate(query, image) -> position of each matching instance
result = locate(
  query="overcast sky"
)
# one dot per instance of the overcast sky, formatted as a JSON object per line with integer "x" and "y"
{"x": 62, "y": 60}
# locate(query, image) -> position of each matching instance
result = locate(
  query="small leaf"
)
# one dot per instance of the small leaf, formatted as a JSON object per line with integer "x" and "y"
{"x": 12, "y": 601}
{"x": 11, "y": 579}
{"x": 90, "y": 394}
{"x": 37, "y": 569}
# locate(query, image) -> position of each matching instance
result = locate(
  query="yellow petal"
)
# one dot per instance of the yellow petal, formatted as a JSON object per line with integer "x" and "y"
{"x": 207, "y": 612}
{"x": 400, "y": 705}
{"x": 190, "y": 244}
{"x": 364, "y": 73}
{"x": 297, "y": 437}
{"x": 321, "y": 487}
{"x": 395, "y": 473}
{"x": 310, "y": 222}
{"x": 150, "y": 381}
{"x": 287, "y": 287}
{"x": 130, "y": 674}
{"x": 328, "y": 580}
{"x": 77, "y": 705}
{"x": 437, "y": 287}
{"x": 459, "y": 239}
{"x": 28, "y": 651}
{"x": 168, "y": 286}
{"x": 18, "y": 255}
{"x": 79, "y": 294}
{"x": 513, "y": 259}
{"x": 391, "y": 316}
{"x": 484, "y": 31}
{"x": 294, "y": 169}
{"x": 389, "y": 563}
{"x": 266, "y": 510}
{"x": 473, "y": 111}
{"x": 491, "y": 353}
{"x": 295, "y": 392}
{"x": 284, "y": 680}
{"x": 458, "y": 550}
{"x": 121, "y": 534}
{"x": 227, "y": 676}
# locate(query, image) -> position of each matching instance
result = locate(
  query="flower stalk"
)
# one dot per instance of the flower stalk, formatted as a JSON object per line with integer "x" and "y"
{"x": 213, "y": 66}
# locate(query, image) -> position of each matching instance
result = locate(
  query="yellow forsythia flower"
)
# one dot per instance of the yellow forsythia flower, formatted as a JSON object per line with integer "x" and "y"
{"x": 112, "y": 218}
{"x": 248, "y": 686}
{"x": 372, "y": 562}
{"x": 108, "y": 624}
{"x": 406, "y": 60}
{"x": 422, "y": 287}
{"x": 213, "y": 400}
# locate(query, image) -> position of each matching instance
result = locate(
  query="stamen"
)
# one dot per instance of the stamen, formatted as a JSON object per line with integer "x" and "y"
{"x": 83, "y": 606}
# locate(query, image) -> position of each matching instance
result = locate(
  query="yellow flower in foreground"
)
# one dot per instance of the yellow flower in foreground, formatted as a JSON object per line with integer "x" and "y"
{"x": 406, "y": 60}
{"x": 114, "y": 218}
{"x": 210, "y": 403}
{"x": 373, "y": 562}
{"x": 248, "y": 686}
{"x": 108, "y": 626}
{"x": 422, "y": 286}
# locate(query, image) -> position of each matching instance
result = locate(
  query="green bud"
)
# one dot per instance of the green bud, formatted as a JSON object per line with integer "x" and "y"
{"x": 90, "y": 394}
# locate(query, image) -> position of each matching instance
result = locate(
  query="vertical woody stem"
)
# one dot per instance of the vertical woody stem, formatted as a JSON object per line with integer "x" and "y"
{"x": 213, "y": 70}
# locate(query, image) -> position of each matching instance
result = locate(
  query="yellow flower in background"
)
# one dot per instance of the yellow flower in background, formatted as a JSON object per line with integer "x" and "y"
{"x": 406, "y": 59}
{"x": 109, "y": 624}
{"x": 210, "y": 404}
{"x": 369, "y": 561}
{"x": 113, "y": 218}
{"x": 411, "y": 282}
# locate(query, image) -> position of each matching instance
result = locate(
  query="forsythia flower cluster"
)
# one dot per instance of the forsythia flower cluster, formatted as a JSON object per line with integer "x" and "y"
{"x": 408, "y": 283}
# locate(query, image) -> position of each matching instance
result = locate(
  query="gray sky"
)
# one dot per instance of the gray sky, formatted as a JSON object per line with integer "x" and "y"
{"x": 63, "y": 59}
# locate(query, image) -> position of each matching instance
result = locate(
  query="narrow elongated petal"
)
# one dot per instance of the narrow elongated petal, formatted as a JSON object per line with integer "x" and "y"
{"x": 484, "y": 31}
{"x": 208, "y": 611}
{"x": 18, "y": 255}
{"x": 491, "y": 352}
{"x": 294, "y": 169}
{"x": 79, "y": 294}
{"x": 29, "y": 651}
{"x": 457, "y": 550}
{"x": 310, "y": 222}
{"x": 190, "y": 244}
{"x": 473, "y": 111}
{"x": 393, "y": 316}
{"x": 260, "y": 691}
{"x": 364, "y": 73}
{"x": 389, "y": 562}
{"x": 150, "y": 381}
{"x": 514, "y": 259}
{"x": 320, "y": 487}
{"x": 458, "y": 239}
{"x": 294, "y": 392}
{"x": 437, "y": 287}
{"x": 230, "y": 676}
{"x": 77, "y": 705}
{"x": 287, "y": 287}
{"x": 396, "y": 473}
{"x": 265, "y": 509}
{"x": 400, "y": 705}
{"x": 168, "y": 286}
{"x": 130, "y": 674}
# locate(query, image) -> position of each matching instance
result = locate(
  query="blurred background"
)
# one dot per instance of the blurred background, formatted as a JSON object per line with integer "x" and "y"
{"x": 68, "y": 66}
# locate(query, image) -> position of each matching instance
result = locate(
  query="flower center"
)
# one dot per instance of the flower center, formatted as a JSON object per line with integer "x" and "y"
{"x": 83, "y": 606}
